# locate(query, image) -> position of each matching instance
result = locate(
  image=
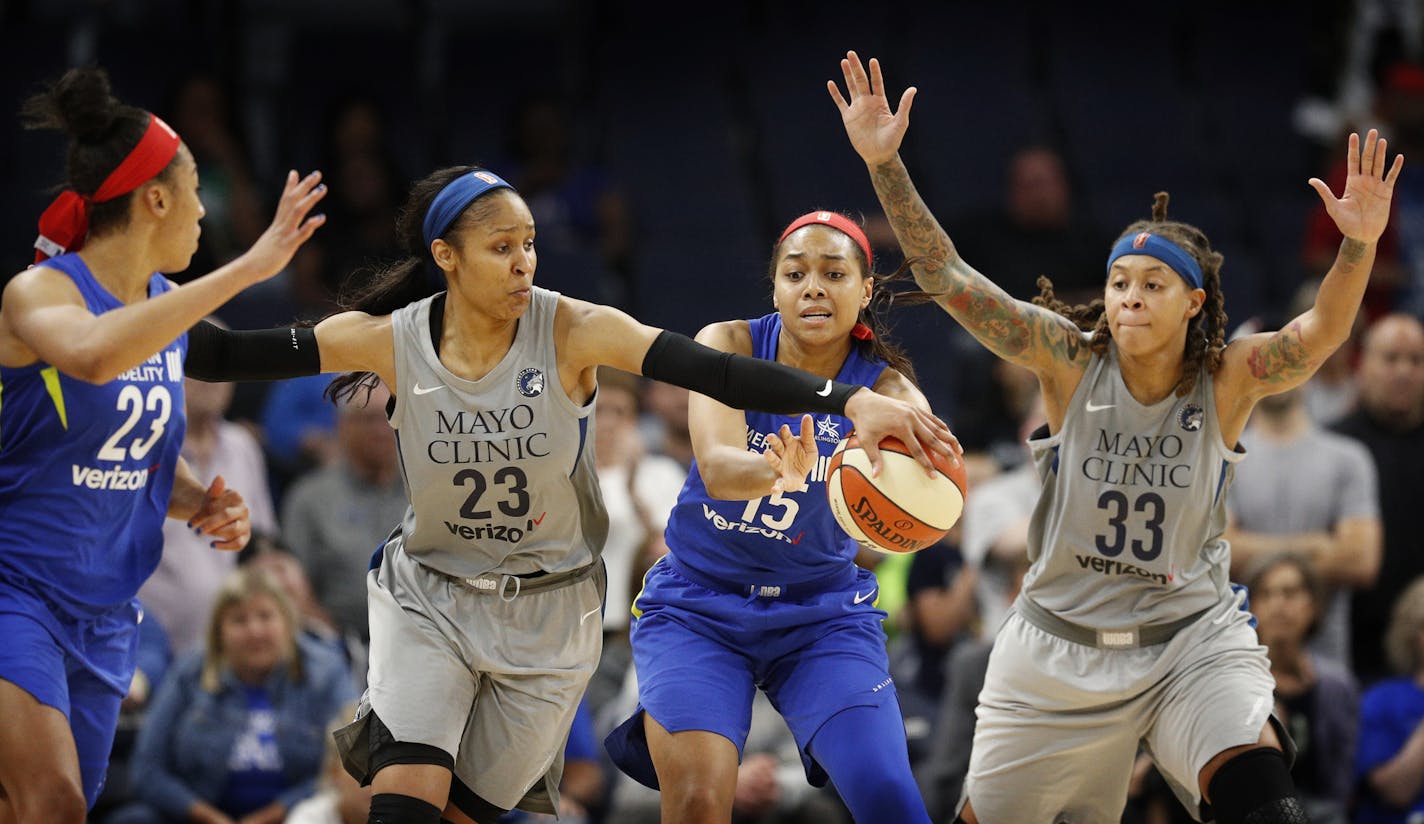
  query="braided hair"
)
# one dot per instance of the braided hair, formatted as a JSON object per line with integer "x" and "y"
{"x": 1206, "y": 332}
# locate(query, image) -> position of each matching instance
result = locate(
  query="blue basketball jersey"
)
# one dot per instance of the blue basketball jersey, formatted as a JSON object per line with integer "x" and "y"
{"x": 86, "y": 470}
{"x": 787, "y": 538}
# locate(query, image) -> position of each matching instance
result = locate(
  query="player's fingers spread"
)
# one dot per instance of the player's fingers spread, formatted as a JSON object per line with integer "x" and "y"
{"x": 836, "y": 95}
{"x": 907, "y": 99}
{"x": 1394, "y": 170}
{"x": 862, "y": 83}
{"x": 1352, "y": 154}
{"x": 1367, "y": 157}
{"x": 877, "y": 78}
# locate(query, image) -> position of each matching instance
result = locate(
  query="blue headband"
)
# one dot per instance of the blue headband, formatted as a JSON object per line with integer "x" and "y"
{"x": 1146, "y": 243}
{"x": 453, "y": 199}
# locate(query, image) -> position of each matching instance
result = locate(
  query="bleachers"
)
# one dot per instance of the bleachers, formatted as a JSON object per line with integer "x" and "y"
{"x": 720, "y": 130}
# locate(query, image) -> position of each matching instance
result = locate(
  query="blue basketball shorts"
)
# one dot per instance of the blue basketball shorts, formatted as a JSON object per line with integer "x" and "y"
{"x": 75, "y": 667}
{"x": 701, "y": 648}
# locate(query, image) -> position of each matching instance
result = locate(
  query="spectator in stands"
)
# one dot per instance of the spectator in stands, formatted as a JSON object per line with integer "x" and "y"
{"x": 1389, "y": 762}
{"x": 338, "y": 799}
{"x": 204, "y": 113}
{"x": 298, "y": 429}
{"x": 1317, "y": 698}
{"x": 314, "y": 623}
{"x": 941, "y": 777}
{"x": 938, "y": 613}
{"x": 664, "y": 423}
{"x": 1390, "y": 422}
{"x": 1310, "y": 491}
{"x": 639, "y": 490}
{"x": 334, "y": 518}
{"x": 576, "y": 203}
{"x": 237, "y": 731}
{"x": 180, "y": 593}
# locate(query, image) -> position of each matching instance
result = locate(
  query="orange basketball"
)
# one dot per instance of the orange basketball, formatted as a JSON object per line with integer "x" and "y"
{"x": 903, "y": 510}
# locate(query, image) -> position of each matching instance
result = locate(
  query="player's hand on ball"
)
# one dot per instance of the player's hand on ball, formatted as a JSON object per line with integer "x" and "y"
{"x": 792, "y": 456}
{"x": 877, "y": 417}
{"x": 223, "y": 516}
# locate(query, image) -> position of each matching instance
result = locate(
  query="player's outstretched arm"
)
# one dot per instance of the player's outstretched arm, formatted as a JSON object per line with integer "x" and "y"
{"x": 602, "y": 336}
{"x": 1015, "y": 330}
{"x": 1272, "y": 362}
{"x": 45, "y": 315}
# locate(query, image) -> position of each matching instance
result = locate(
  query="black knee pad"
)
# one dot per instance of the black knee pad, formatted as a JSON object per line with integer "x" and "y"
{"x": 390, "y": 808}
{"x": 1255, "y": 787}
{"x": 386, "y": 750}
{"x": 472, "y": 805}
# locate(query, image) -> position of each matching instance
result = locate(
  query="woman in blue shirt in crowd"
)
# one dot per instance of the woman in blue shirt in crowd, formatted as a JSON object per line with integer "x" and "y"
{"x": 238, "y": 732}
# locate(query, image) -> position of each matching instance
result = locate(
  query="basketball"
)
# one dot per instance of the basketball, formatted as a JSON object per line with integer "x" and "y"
{"x": 903, "y": 510}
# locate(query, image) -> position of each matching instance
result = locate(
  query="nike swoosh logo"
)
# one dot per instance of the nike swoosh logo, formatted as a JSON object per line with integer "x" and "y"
{"x": 426, "y": 390}
{"x": 1093, "y": 407}
{"x": 590, "y": 612}
{"x": 825, "y": 393}
{"x": 860, "y": 599}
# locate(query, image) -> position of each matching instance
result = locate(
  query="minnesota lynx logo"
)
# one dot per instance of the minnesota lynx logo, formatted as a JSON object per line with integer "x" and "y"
{"x": 530, "y": 382}
{"x": 1191, "y": 417}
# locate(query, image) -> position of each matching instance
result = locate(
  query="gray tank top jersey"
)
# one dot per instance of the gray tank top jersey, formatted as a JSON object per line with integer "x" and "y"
{"x": 499, "y": 471}
{"x": 1127, "y": 530}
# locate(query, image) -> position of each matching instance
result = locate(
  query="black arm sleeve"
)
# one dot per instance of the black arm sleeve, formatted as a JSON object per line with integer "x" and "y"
{"x": 216, "y": 354}
{"x": 741, "y": 381}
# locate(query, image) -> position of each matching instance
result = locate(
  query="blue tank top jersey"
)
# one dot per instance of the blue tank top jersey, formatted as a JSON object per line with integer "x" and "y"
{"x": 787, "y": 538}
{"x": 86, "y": 470}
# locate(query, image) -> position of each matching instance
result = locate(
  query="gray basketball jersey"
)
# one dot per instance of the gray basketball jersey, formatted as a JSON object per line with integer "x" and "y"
{"x": 1127, "y": 530}
{"x": 499, "y": 471}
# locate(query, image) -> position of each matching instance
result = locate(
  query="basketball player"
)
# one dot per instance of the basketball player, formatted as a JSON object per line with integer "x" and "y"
{"x": 486, "y": 601}
{"x": 1127, "y": 629}
{"x": 92, "y": 358}
{"x": 760, "y": 588}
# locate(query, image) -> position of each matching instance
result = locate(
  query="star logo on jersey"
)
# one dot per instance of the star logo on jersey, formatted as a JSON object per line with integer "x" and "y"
{"x": 828, "y": 430}
{"x": 530, "y": 382}
{"x": 1191, "y": 417}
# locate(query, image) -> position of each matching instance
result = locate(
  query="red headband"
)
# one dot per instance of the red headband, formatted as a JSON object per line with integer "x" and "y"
{"x": 65, "y": 223}
{"x": 836, "y": 221}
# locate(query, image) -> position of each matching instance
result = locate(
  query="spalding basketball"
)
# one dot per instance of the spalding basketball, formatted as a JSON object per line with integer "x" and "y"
{"x": 903, "y": 510}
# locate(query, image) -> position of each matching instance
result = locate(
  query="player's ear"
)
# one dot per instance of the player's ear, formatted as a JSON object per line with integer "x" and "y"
{"x": 443, "y": 253}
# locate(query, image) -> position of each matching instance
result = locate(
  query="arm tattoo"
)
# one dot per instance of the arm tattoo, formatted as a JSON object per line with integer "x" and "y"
{"x": 1009, "y": 328}
{"x": 1282, "y": 358}
{"x": 1351, "y": 253}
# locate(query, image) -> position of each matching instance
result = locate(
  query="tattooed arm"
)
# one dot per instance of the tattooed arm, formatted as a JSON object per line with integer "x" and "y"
{"x": 1273, "y": 362}
{"x": 1018, "y": 331}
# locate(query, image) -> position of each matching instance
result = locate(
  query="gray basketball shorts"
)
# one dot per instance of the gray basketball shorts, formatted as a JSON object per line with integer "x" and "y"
{"x": 1059, "y": 723}
{"x": 493, "y": 682}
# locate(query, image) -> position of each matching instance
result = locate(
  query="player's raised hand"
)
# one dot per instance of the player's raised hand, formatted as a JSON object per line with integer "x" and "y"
{"x": 1362, "y": 211}
{"x": 874, "y": 130}
{"x": 290, "y": 227}
{"x": 877, "y": 417}
{"x": 792, "y": 456}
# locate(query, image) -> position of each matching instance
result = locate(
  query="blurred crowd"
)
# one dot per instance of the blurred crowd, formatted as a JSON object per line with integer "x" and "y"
{"x": 249, "y": 659}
